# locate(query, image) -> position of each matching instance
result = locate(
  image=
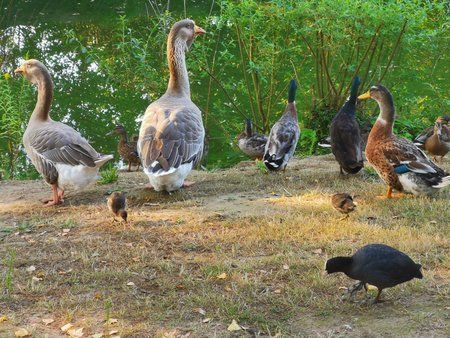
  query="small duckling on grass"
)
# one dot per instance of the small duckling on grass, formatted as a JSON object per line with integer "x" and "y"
{"x": 117, "y": 204}
{"x": 343, "y": 203}
{"x": 378, "y": 265}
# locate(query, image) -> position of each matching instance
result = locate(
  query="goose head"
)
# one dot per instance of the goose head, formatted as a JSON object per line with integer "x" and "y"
{"x": 33, "y": 70}
{"x": 185, "y": 31}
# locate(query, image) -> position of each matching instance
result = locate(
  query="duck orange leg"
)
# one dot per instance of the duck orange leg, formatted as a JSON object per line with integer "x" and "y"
{"x": 188, "y": 184}
{"x": 56, "y": 197}
{"x": 390, "y": 195}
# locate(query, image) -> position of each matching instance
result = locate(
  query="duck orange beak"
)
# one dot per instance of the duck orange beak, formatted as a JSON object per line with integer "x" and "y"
{"x": 364, "y": 96}
{"x": 198, "y": 30}
{"x": 20, "y": 70}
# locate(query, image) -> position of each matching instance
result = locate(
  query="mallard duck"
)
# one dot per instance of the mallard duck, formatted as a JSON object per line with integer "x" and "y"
{"x": 117, "y": 204}
{"x": 283, "y": 136}
{"x": 127, "y": 149}
{"x": 60, "y": 154}
{"x": 428, "y": 132}
{"x": 378, "y": 265}
{"x": 172, "y": 135}
{"x": 252, "y": 144}
{"x": 343, "y": 203}
{"x": 345, "y": 135}
{"x": 438, "y": 144}
{"x": 399, "y": 163}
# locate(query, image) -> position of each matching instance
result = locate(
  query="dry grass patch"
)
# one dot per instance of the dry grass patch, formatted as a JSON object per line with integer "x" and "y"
{"x": 241, "y": 244}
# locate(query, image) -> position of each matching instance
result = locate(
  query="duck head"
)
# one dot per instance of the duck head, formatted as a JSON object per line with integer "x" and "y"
{"x": 119, "y": 129}
{"x": 34, "y": 71}
{"x": 185, "y": 31}
{"x": 384, "y": 99}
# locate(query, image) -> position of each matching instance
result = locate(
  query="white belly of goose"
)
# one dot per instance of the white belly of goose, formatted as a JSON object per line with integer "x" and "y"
{"x": 75, "y": 177}
{"x": 170, "y": 180}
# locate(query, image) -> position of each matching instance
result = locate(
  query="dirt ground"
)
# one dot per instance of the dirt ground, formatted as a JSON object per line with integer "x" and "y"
{"x": 240, "y": 244}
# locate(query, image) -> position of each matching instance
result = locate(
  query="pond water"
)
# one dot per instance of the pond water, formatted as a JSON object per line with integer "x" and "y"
{"x": 84, "y": 97}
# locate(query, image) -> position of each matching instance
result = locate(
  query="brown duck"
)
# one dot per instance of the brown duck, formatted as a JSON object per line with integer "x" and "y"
{"x": 438, "y": 144}
{"x": 127, "y": 149}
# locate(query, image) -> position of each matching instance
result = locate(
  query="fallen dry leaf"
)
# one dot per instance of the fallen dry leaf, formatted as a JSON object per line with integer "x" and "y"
{"x": 75, "y": 333}
{"x": 234, "y": 326}
{"x": 113, "y": 332}
{"x": 48, "y": 321}
{"x": 66, "y": 231}
{"x": 286, "y": 267}
{"x": 130, "y": 284}
{"x": 97, "y": 335}
{"x": 223, "y": 275}
{"x": 3, "y": 319}
{"x": 66, "y": 327}
{"x": 228, "y": 288}
{"x": 206, "y": 320}
{"x": 318, "y": 251}
{"x": 277, "y": 291}
{"x": 22, "y": 333}
{"x": 36, "y": 279}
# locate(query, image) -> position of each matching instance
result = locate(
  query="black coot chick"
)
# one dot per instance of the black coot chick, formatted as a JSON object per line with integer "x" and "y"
{"x": 378, "y": 265}
{"x": 343, "y": 203}
{"x": 117, "y": 203}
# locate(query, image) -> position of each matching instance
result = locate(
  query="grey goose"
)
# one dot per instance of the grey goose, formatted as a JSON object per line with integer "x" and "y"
{"x": 171, "y": 136}
{"x": 60, "y": 154}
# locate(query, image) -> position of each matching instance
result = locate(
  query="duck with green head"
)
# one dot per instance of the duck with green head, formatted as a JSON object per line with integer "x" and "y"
{"x": 399, "y": 163}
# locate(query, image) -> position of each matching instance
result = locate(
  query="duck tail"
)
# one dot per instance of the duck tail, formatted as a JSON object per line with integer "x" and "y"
{"x": 248, "y": 127}
{"x": 418, "y": 272}
{"x": 102, "y": 160}
{"x": 272, "y": 163}
{"x": 292, "y": 90}
{"x": 445, "y": 181}
{"x": 354, "y": 91}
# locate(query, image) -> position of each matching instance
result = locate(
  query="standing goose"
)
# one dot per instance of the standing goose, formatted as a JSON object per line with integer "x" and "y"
{"x": 127, "y": 149}
{"x": 252, "y": 144}
{"x": 283, "y": 136}
{"x": 399, "y": 163}
{"x": 60, "y": 154}
{"x": 172, "y": 134}
{"x": 346, "y": 136}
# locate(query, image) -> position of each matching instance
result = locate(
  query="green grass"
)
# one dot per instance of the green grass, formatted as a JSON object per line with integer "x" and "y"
{"x": 108, "y": 175}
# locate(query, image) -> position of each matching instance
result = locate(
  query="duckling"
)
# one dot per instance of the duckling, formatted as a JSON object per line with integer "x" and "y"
{"x": 59, "y": 153}
{"x": 345, "y": 135}
{"x": 438, "y": 144}
{"x": 378, "y": 265}
{"x": 398, "y": 162}
{"x": 117, "y": 204}
{"x": 428, "y": 132}
{"x": 283, "y": 136}
{"x": 127, "y": 150}
{"x": 343, "y": 203}
{"x": 251, "y": 143}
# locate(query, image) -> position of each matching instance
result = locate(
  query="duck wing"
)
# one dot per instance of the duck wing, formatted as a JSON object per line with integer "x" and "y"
{"x": 423, "y": 136}
{"x": 170, "y": 138}
{"x": 282, "y": 139}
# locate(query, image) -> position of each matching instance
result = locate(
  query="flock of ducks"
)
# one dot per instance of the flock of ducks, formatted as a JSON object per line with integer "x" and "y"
{"x": 171, "y": 141}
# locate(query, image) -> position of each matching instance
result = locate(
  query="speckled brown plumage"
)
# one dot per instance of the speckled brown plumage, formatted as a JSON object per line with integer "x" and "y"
{"x": 117, "y": 204}
{"x": 343, "y": 203}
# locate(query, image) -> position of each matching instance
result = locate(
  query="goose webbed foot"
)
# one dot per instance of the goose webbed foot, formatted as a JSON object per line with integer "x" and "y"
{"x": 57, "y": 197}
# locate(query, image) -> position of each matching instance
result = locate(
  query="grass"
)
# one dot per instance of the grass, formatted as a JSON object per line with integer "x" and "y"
{"x": 269, "y": 233}
{"x": 108, "y": 175}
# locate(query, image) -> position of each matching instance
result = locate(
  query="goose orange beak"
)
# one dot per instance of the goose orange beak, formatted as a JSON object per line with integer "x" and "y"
{"x": 364, "y": 96}
{"x": 198, "y": 30}
{"x": 20, "y": 70}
